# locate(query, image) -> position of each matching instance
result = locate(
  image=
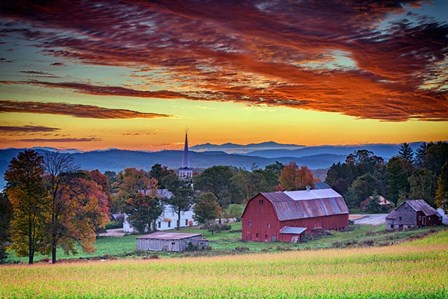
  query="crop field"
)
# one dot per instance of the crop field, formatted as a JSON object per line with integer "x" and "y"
{"x": 416, "y": 269}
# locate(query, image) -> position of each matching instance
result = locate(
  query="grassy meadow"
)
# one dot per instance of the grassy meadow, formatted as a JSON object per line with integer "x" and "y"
{"x": 229, "y": 242}
{"x": 416, "y": 269}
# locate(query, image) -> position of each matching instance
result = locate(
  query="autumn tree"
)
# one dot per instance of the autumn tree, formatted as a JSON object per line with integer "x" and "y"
{"x": 206, "y": 208}
{"x": 143, "y": 209}
{"x": 159, "y": 172}
{"x": 27, "y": 194}
{"x": 129, "y": 182}
{"x": 5, "y": 216}
{"x": 83, "y": 208}
{"x": 294, "y": 178}
{"x": 183, "y": 195}
{"x": 58, "y": 172}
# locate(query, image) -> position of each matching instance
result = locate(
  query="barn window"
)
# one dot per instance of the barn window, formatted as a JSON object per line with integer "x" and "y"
{"x": 249, "y": 223}
{"x": 256, "y": 235}
{"x": 399, "y": 218}
{"x": 169, "y": 224}
{"x": 186, "y": 222}
{"x": 260, "y": 201}
{"x": 268, "y": 225}
{"x": 265, "y": 237}
{"x": 159, "y": 224}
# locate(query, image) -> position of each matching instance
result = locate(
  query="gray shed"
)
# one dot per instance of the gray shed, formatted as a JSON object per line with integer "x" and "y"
{"x": 163, "y": 241}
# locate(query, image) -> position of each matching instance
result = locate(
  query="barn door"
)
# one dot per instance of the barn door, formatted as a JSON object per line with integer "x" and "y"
{"x": 423, "y": 220}
{"x": 295, "y": 239}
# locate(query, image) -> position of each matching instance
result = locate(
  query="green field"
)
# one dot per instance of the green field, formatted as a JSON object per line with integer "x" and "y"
{"x": 229, "y": 242}
{"x": 417, "y": 269}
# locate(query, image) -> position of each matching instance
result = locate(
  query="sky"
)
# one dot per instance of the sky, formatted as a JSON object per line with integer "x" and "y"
{"x": 135, "y": 74}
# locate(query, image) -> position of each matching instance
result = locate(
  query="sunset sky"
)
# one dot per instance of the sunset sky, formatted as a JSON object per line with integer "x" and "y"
{"x": 135, "y": 74}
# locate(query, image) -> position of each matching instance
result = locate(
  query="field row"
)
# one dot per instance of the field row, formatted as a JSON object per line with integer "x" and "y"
{"x": 417, "y": 269}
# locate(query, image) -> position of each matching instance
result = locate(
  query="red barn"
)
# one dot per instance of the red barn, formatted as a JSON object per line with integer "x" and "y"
{"x": 285, "y": 216}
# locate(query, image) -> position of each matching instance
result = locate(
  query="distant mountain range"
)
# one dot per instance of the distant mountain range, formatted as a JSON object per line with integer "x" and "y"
{"x": 232, "y": 148}
{"x": 207, "y": 155}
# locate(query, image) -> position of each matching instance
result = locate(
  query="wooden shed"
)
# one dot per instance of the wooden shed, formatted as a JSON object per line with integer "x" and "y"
{"x": 163, "y": 241}
{"x": 410, "y": 214}
{"x": 285, "y": 216}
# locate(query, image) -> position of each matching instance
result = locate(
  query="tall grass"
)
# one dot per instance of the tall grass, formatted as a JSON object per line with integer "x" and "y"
{"x": 417, "y": 269}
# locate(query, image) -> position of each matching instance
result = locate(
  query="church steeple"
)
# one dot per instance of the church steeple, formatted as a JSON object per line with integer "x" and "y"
{"x": 185, "y": 172}
{"x": 185, "y": 161}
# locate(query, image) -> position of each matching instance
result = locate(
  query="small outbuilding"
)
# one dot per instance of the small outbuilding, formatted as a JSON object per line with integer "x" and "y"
{"x": 162, "y": 241}
{"x": 411, "y": 214}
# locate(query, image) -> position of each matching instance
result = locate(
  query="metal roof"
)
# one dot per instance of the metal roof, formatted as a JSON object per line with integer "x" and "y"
{"x": 292, "y": 230}
{"x": 421, "y": 205}
{"x": 312, "y": 194}
{"x": 169, "y": 236}
{"x": 418, "y": 205}
{"x": 291, "y": 205}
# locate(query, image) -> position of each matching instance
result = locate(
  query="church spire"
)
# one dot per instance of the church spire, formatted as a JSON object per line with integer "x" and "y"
{"x": 185, "y": 162}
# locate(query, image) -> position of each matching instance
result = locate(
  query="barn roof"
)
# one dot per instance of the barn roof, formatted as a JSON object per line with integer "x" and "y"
{"x": 418, "y": 205}
{"x": 169, "y": 236}
{"x": 291, "y": 205}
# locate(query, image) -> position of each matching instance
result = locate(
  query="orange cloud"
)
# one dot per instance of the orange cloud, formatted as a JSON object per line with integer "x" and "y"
{"x": 75, "y": 110}
{"x": 360, "y": 58}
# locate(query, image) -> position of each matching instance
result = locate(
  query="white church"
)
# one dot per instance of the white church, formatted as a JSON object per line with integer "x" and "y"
{"x": 168, "y": 218}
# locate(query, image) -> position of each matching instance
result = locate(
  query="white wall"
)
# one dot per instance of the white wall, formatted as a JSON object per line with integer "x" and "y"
{"x": 162, "y": 222}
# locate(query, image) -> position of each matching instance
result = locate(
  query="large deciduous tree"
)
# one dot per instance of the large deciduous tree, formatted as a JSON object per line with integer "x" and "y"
{"x": 143, "y": 209}
{"x": 129, "y": 182}
{"x": 183, "y": 195}
{"x": 294, "y": 178}
{"x": 29, "y": 200}
{"x": 206, "y": 208}
{"x": 361, "y": 188}
{"x": 218, "y": 180}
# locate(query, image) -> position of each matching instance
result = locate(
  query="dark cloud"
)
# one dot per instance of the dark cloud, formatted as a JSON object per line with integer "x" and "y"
{"x": 75, "y": 110}
{"x": 59, "y": 140}
{"x": 57, "y": 64}
{"x": 27, "y": 129}
{"x": 360, "y": 58}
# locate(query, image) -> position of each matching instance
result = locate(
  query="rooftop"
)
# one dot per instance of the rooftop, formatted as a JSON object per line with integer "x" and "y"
{"x": 169, "y": 236}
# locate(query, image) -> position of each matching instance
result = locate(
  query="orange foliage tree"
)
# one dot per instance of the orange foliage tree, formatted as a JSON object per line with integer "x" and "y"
{"x": 294, "y": 178}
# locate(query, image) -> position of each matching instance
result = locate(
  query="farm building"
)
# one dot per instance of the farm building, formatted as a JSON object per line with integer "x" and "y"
{"x": 161, "y": 241}
{"x": 382, "y": 202}
{"x": 286, "y": 216}
{"x": 410, "y": 214}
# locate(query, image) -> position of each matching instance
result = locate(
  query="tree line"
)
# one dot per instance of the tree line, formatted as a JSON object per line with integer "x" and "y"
{"x": 408, "y": 175}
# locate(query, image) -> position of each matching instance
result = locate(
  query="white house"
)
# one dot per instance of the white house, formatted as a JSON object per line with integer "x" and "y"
{"x": 168, "y": 218}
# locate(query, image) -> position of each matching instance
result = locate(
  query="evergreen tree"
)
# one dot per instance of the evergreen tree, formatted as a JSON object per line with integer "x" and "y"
{"x": 5, "y": 216}
{"x": 396, "y": 179}
{"x": 442, "y": 188}
{"x": 405, "y": 152}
